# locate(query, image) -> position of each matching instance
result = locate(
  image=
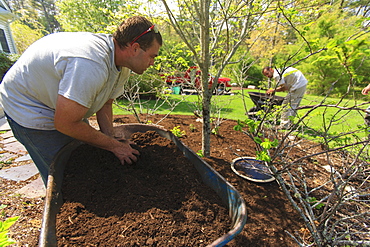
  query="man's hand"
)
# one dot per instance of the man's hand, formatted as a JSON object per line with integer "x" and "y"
{"x": 270, "y": 91}
{"x": 125, "y": 153}
{"x": 366, "y": 90}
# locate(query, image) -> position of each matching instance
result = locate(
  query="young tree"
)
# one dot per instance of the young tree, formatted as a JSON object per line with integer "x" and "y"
{"x": 213, "y": 31}
{"x": 49, "y": 12}
{"x": 37, "y": 14}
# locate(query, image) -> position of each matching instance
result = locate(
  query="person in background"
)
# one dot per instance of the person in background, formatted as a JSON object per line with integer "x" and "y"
{"x": 293, "y": 81}
{"x": 64, "y": 78}
{"x": 365, "y": 91}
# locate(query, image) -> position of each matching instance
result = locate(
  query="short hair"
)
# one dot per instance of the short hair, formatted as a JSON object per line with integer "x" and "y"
{"x": 131, "y": 28}
{"x": 266, "y": 68}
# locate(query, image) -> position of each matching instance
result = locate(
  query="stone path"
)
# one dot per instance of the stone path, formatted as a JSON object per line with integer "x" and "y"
{"x": 22, "y": 168}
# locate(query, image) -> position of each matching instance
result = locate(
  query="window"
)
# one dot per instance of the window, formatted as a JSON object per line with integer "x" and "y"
{"x": 3, "y": 41}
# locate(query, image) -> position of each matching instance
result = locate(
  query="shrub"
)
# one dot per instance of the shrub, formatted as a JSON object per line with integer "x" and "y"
{"x": 6, "y": 61}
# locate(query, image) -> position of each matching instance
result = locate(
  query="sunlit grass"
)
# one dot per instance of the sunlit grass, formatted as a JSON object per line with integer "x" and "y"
{"x": 235, "y": 106}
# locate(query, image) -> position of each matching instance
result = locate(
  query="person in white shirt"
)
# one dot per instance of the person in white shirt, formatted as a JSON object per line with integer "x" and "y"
{"x": 293, "y": 81}
{"x": 64, "y": 78}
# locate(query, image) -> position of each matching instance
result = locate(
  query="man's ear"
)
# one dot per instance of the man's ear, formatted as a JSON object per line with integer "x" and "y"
{"x": 135, "y": 47}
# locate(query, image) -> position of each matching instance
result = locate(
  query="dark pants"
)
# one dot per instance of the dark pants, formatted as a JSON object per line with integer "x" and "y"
{"x": 42, "y": 145}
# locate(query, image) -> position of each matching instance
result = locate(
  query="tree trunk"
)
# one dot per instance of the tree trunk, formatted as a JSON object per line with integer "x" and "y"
{"x": 206, "y": 92}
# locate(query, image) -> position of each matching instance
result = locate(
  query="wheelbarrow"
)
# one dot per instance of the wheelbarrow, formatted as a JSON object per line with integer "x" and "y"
{"x": 262, "y": 101}
{"x": 228, "y": 194}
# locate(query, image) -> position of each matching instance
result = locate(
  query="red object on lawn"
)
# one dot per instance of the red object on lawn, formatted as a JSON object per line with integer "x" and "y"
{"x": 192, "y": 78}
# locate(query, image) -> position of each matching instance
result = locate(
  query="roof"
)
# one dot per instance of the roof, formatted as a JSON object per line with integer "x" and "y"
{"x": 4, "y": 6}
{"x": 5, "y": 12}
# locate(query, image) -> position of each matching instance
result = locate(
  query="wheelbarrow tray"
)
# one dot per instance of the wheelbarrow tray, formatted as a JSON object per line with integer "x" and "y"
{"x": 261, "y": 99}
{"x": 228, "y": 194}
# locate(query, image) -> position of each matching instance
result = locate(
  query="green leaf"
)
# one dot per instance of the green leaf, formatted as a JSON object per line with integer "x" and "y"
{"x": 238, "y": 128}
{"x": 266, "y": 145}
{"x": 4, "y": 226}
{"x": 263, "y": 155}
{"x": 275, "y": 143}
{"x": 8, "y": 223}
{"x": 258, "y": 140}
{"x": 332, "y": 44}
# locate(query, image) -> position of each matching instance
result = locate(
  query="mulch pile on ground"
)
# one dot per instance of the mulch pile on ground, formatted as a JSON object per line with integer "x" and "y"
{"x": 159, "y": 201}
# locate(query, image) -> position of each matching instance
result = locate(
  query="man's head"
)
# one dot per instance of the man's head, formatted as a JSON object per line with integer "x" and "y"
{"x": 268, "y": 71}
{"x": 137, "y": 29}
{"x": 137, "y": 44}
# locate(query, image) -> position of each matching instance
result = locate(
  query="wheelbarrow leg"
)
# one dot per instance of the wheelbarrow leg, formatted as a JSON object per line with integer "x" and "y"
{"x": 252, "y": 113}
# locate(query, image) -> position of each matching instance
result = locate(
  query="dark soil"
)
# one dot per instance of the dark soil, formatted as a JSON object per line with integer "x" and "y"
{"x": 270, "y": 215}
{"x": 159, "y": 201}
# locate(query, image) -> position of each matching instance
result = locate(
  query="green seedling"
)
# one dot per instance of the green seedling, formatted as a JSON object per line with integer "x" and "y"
{"x": 192, "y": 127}
{"x": 265, "y": 144}
{"x": 252, "y": 125}
{"x": 216, "y": 131}
{"x": 178, "y": 132}
{"x": 200, "y": 153}
{"x": 313, "y": 201}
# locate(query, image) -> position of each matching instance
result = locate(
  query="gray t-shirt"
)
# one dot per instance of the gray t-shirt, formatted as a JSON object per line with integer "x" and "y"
{"x": 79, "y": 66}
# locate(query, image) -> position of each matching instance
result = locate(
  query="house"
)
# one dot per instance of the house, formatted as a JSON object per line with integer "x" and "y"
{"x": 7, "y": 43}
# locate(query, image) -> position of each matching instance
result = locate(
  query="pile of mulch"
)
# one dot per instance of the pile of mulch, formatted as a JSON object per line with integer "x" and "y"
{"x": 158, "y": 201}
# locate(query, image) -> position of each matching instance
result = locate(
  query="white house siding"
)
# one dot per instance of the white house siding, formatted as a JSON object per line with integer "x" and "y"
{"x": 5, "y": 18}
{"x": 9, "y": 37}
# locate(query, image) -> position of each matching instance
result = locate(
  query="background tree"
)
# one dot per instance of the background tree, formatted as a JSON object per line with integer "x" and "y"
{"x": 36, "y": 18}
{"x": 306, "y": 27}
{"x": 48, "y": 12}
{"x": 347, "y": 37}
{"x": 37, "y": 14}
{"x": 94, "y": 15}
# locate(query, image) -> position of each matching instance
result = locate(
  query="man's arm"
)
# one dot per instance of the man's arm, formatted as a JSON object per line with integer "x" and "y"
{"x": 278, "y": 89}
{"x": 105, "y": 118}
{"x": 69, "y": 120}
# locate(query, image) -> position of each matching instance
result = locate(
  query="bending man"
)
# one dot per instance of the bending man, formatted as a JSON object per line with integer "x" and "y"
{"x": 64, "y": 78}
{"x": 293, "y": 81}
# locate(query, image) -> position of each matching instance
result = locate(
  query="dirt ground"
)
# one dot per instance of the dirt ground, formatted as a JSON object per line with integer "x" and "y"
{"x": 270, "y": 216}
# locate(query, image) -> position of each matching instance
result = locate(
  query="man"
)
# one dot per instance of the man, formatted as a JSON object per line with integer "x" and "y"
{"x": 293, "y": 81}
{"x": 64, "y": 78}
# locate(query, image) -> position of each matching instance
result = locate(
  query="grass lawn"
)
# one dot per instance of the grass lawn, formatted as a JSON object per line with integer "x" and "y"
{"x": 234, "y": 107}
